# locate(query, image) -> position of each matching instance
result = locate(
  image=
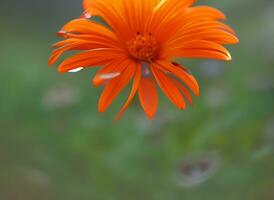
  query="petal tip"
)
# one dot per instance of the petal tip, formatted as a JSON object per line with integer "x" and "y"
{"x": 50, "y": 62}
{"x": 61, "y": 70}
{"x": 150, "y": 116}
{"x": 101, "y": 110}
{"x": 197, "y": 94}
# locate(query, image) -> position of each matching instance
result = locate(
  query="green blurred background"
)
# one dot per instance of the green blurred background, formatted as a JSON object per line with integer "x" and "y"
{"x": 55, "y": 146}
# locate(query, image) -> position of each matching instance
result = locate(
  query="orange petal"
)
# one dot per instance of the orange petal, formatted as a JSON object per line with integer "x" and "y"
{"x": 84, "y": 26}
{"x": 183, "y": 89}
{"x": 167, "y": 10}
{"x": 89, "y": 59}
{"x": 167, "y": 86}
{"x": 188, "y": 79}
{"x": 106, "y": 41}
{"x": 203, "y": 53}
{"x": 213, "y": 35}
{"x": 104, "y": 78}
{"x": 111, "y": 70}
{"x": 148, "y": 96}
{"x": 199, "y": 49}
{"x": 204, "y": 12}
{"x": 110, "y": 11}
{"x": 116, "y": 85}
{"x": 80, "y": 45}
{"x": 202, "y": 25}
{"x": 134, "y": 89}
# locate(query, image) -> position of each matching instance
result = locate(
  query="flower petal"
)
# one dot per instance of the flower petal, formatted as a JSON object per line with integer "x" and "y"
{"x": 135, "y": 85}
{"x": 183, "y": 89}
{"x": 214, "y": 35}
{"x": 204, "y": 12}
{"x": 114, "y": 68}
{"x": 188, "y": 79}
{"x": 116, "y": 85}
{"x": 110, "y": 11}
{"x": 202, "y": 25}
{"x": 148, "y": 96}
{"x": 89, "y": 59}
{"x": 167, "y": 86}
{"x": 197, "y": 49}
{"x": 167, "y": 10}
{"x": 84, "y": 26}
{"x": 77, "y": 45}
{"x": 203, "y": 53}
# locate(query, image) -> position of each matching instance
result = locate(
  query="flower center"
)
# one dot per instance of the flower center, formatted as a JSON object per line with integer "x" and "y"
{"x": 143, "y": 47}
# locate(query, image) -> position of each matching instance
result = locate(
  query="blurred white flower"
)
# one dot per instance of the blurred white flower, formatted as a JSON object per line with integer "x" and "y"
{"x": 60, "y": 97}
{"x": 196, "y": 169}
{"x": 216, "y": 96}
{"x": 36, "y": 176}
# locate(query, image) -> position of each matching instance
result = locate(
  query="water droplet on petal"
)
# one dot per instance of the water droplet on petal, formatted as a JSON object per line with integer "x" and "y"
{"x": 87, "y": 15}
{"x": 76, "y": 70}
{"x": 62, "y": 33}
{"x": 109, "y": 75}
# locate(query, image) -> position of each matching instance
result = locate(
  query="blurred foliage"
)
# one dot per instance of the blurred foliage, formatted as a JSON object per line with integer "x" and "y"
{"x": 55, "y": 145}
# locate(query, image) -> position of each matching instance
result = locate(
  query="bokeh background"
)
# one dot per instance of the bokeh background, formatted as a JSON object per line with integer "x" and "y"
{"x": 55, "y": 146}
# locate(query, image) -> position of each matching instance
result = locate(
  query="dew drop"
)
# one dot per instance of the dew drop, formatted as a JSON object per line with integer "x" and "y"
{"x": 109, "y": 75}
{"x": 62, "y": 32}
{"x": 76, "y": 70}
{"x": 87, "y": 15}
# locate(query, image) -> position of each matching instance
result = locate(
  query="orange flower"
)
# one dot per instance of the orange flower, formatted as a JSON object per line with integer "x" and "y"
{"x": 138, "y": 41}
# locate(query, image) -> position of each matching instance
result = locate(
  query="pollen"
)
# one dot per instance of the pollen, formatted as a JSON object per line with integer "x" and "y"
{"x": 143, "y": 47}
